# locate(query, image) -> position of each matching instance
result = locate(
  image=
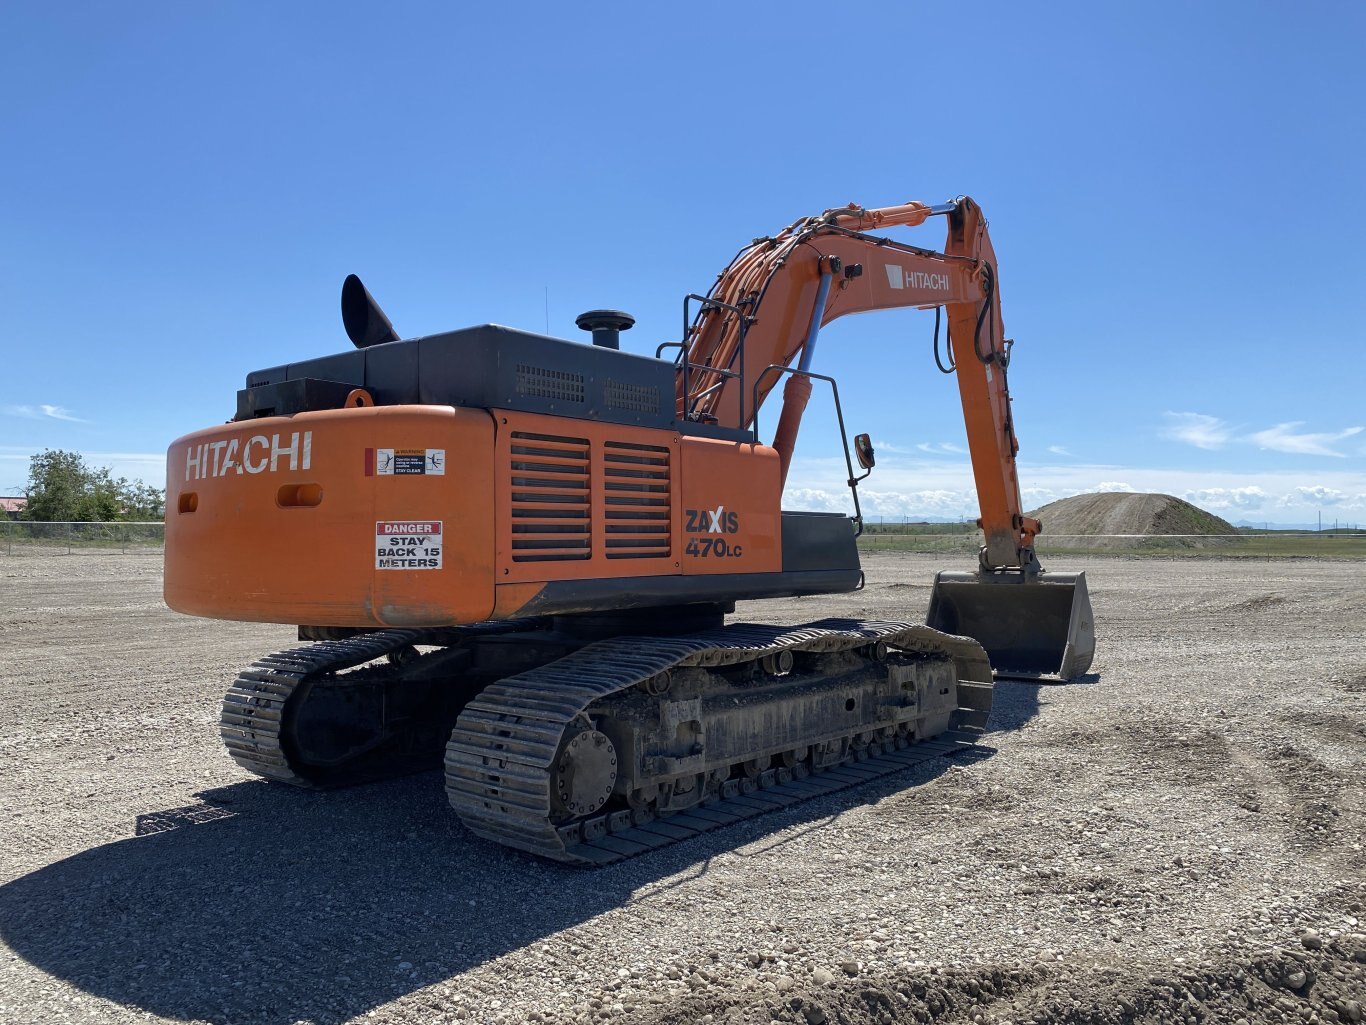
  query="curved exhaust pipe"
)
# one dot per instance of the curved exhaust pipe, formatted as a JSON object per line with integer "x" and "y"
{"x": 364, "y": 321}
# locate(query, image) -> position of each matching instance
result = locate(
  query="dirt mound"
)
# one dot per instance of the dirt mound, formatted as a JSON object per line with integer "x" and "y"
{"x": 1083, "y": 521}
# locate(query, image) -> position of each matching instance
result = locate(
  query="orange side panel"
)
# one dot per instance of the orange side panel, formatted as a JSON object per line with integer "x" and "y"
{"x": 580, "y": 500}
{"x": 361, "y": 517}
{"x": 731, "y": 521}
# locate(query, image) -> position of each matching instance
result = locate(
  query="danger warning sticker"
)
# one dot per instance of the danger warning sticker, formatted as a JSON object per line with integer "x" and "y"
{"x": 411, "y": 544}
{"x": 405, "y": 462}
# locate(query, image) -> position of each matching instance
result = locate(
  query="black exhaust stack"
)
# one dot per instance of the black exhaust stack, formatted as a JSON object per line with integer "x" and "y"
{"x": 606, "y": 325}
{"x": 364, "y": 321}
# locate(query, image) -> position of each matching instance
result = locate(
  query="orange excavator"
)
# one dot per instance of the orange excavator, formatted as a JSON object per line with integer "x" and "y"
{"x": 513, "y": 555}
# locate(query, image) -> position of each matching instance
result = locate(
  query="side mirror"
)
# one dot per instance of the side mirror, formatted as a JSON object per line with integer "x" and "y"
{"x": 863, "y": 449}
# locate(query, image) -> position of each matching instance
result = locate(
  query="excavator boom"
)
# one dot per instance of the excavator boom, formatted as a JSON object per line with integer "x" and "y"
{"x": 765, "y": 312}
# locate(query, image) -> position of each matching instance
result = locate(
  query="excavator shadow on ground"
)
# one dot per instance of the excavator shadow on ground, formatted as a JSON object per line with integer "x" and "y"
{"x": 268, "y": 904}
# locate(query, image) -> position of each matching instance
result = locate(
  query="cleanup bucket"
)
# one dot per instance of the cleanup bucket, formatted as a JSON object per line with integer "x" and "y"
{"x": 1031, "y": 626}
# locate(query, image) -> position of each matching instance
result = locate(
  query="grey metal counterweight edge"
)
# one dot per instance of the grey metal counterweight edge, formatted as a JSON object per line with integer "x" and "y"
{"x": 501, "y": 753}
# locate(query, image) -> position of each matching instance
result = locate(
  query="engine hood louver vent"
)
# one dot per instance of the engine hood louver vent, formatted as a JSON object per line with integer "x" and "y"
{"x": 551, "y": 501}
{"x": 636, "y": 498}
{"x": 638, "y": 398}
{"x": 549, "y": 383}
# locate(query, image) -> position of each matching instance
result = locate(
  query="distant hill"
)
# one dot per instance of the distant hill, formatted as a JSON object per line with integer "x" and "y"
{"x": 1115, "y": 512}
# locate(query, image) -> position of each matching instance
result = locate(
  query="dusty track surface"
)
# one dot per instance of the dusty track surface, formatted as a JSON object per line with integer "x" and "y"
{"x": 1177, "y": 838}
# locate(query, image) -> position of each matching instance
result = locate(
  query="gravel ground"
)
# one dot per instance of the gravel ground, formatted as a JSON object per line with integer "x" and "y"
{"x": 1177, "y": 838}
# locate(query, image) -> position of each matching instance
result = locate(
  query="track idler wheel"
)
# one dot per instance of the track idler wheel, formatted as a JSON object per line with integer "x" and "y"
{"x": 657, "y": 685}
{"x": 777, "y": 664}
{"x": 585, "y": 773}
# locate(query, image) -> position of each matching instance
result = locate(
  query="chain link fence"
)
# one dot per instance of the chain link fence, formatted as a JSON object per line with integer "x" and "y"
{"x": 22, "y": 537}
{"x": 1310, "y": 544}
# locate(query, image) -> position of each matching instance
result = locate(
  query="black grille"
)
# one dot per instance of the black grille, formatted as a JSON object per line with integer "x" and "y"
{"x": 638, "y": 398}
{"x": 544, "y": 383}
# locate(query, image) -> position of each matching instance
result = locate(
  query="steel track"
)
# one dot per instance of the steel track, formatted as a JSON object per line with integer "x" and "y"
{"x": 500, "y": 756}
{"x": 252, "y": 724}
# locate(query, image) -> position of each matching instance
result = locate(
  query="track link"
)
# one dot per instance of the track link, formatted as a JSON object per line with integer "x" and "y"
{"x": 500, "y": 755}
{"x": 255, "y": 708}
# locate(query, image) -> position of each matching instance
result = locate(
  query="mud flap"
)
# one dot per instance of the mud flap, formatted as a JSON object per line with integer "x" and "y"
{"x": 1031, "y": 626}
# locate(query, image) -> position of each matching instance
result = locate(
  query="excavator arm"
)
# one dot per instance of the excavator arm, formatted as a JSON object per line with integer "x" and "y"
{"x": 767, "y": 307}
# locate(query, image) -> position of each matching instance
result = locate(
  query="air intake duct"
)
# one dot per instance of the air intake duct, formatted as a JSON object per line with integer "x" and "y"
{"x": 606, "y": 325}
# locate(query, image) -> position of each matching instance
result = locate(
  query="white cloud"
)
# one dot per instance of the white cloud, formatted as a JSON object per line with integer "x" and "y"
{"x": 145, "y": 466}
{"x": 941, "y": 504}
{"x": 1284, "y": 438}
{"x": 1058, "y": 450}
{"x": 61, "y": 413}
{"x": 44, "y": 411}
{"x": 1207, "y": 432}
{"x": 1250, "y": 497}
{"x": 936, "y": 448}
{"x": 817, "y": 500}
{"x": 887, "y": 446}
{"x": 1035, "y": 497}
{"x": 938, "y": 502}
{"x": 1315, "y": 495}
{"x": 942, "y": 486}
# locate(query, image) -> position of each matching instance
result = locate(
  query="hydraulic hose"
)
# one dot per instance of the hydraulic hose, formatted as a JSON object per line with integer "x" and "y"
{"x": 982, "y": 315}
{"x": 937, "y": 361}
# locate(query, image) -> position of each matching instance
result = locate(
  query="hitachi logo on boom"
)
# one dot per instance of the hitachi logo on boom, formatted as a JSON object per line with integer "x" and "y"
{"x": 919, "y": 279}
{"x": 899, "y": 277}
{"x": 257, "y": 455}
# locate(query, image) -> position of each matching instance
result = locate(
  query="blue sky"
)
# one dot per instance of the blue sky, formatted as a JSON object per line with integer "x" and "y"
{"x": 1174, "y": 192}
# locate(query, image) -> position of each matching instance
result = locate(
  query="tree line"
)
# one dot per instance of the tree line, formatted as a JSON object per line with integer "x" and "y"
{"x": 62, "y": 487}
